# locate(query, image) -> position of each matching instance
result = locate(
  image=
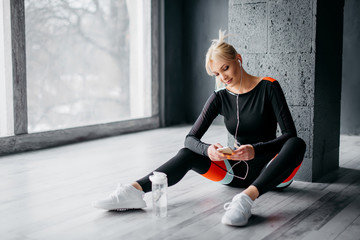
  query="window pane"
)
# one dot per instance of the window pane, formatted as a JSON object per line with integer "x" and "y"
{"x": 86, "y": 62}
{"x": 6, "y": 90}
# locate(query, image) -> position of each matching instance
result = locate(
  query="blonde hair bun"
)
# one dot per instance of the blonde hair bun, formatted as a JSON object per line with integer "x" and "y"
{"x": 221, "y": 39}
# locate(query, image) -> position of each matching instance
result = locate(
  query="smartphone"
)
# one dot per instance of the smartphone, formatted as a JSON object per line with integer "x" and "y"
{"x": 225, "y": 150}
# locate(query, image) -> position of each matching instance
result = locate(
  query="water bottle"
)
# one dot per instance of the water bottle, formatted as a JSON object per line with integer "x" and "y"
{"x": 159, "y": 194}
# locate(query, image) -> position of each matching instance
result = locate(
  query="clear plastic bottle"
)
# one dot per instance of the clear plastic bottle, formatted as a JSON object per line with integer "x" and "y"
{"x": 159, "y": 194}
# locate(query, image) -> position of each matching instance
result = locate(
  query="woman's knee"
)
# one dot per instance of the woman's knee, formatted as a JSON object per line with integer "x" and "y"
{"x": 186, "y": 155}
{"x": 193, "y": 159}
{"x": 185, "y": 152}
{"x": 297, "y": 143}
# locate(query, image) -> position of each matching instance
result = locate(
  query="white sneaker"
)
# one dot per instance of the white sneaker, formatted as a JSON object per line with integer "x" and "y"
{"x": 123, "y": 198}
{"x": 238, "y": 211}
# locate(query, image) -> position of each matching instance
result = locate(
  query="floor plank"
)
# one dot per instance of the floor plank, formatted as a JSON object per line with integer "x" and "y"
{"x": 339, "y": 223}
{"x": 351, "y": 232}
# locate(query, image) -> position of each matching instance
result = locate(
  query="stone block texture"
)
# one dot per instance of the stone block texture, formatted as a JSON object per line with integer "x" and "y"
{"x": 290, "y": 26}
{"x": 276, "y": 39}
{"x": 248, "y": 26}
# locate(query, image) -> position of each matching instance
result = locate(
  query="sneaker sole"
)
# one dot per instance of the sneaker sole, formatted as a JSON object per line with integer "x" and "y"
{"x": 120, "y": 207}
{"x": 228, "y": 222}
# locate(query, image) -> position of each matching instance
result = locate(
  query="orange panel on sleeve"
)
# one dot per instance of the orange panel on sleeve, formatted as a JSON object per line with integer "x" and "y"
{"x": 269, "y": 79}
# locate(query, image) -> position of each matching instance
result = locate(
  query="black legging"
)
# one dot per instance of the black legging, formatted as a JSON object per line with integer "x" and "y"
{"x": 261, "y": 174}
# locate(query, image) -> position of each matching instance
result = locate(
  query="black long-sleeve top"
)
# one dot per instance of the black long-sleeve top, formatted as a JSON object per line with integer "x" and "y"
{"x": 259, "y": 112}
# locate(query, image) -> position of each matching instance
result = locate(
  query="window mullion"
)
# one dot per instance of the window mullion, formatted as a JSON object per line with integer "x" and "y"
{"x": 19, "y": 66}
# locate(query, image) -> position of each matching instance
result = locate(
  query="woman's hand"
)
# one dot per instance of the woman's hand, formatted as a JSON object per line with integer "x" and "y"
{"x": 244, "y": 152}
{"x": 214, "y": 154}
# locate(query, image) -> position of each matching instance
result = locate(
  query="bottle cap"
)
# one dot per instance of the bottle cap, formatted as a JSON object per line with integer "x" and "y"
{"x": 158, "y": 178}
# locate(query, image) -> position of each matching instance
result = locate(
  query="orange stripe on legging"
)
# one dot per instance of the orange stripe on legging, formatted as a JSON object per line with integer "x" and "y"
{"x": 293, "y": 172}
{"x": 216, "y": 171}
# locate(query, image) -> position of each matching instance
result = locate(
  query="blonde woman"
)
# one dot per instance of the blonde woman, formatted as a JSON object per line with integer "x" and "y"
{"x": 252, "y": 107}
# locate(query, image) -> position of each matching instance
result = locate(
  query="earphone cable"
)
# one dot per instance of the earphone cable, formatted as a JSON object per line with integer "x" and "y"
{"x": 236, "y": 131}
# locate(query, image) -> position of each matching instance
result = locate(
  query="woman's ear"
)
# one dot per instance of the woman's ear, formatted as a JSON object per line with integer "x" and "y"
{"x": 239, "y": 58}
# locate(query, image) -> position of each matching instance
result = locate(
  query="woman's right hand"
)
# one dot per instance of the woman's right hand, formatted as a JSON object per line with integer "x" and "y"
{"x": 214, "y": 154}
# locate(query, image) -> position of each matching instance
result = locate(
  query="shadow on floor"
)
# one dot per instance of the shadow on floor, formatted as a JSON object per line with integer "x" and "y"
{"x": 341, "y": 175}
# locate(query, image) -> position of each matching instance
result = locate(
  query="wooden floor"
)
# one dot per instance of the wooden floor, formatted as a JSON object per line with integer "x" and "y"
{"x": 48, "y": 194}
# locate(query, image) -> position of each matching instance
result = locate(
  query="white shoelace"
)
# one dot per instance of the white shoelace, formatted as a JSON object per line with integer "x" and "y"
{"x": 235, "y": 203}
{"x": 115, "y": 194}
{"x": 230, "y": 205}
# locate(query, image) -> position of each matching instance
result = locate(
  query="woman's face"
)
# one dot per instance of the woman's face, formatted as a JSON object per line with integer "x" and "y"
{"x": 226, "y": 72}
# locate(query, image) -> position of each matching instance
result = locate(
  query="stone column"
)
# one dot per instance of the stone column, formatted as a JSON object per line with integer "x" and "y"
{"x": 299, "y": 43}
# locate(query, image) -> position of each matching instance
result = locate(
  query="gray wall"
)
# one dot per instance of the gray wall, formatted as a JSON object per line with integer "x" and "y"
{"x": 174, "y": 83}
{"x": 289, "y": 41}
{"x": 350, "y": 97}
{"x": 203, "y": 19}
{"x": 327, "y": 94}
{"x": 189, "y": 27}
{"x": 276, "y": 39}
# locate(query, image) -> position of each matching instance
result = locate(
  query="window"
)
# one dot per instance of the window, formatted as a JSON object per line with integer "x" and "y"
{"x": 77, "y": 70}
{"x": 87, "y": 62}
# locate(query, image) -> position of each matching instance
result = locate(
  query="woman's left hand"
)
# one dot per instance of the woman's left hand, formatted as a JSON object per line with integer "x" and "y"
{"x": 244, "y": 152}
